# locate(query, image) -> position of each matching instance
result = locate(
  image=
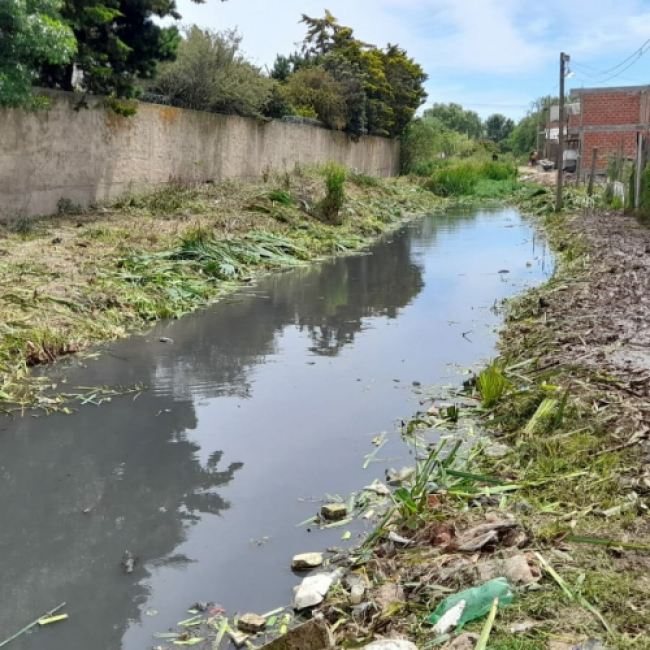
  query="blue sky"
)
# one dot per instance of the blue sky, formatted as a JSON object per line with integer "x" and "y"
{"x": 489, "y": 55}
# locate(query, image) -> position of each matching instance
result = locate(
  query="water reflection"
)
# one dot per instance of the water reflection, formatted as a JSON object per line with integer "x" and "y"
{"x": 77, "y": 494}
{"x": 233, "y": 397}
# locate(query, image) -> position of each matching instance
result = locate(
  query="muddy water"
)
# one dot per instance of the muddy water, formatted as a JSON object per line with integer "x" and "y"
{"x": 262, "y": 402}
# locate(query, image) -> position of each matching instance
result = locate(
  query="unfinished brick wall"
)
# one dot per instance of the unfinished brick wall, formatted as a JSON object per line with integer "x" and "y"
{"x": 610, "y": 119}
{"x": 611, "y": 108}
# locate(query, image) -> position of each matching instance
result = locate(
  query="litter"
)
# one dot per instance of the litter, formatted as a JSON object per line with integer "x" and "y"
{"x": 479, "y": 601}
{"x": 398, "y": 539}
{"x": 312, "y": 590}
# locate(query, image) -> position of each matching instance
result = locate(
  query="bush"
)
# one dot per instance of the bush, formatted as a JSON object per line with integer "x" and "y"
{"x": 212, "y": 74}
{"x": 498, "y": 171}
{"x": 330, "y": 207}
{"x": 463, "y": 179}
{"x": 458, "y": 180}
{"x": 315, "y": 93}
{"x": 429, "y": 167}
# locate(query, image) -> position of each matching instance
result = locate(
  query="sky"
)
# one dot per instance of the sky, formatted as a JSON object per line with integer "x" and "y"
{"x": 491, "y": 56}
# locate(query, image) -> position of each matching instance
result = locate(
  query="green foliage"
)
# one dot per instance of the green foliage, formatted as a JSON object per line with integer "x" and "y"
{"x": 315, "y": 93}
{"x": 524, "y": 137}
{"x": 212, "y": 74}
{"x": 330, "y": 207}
{"x": 463, "y": 178}
{"x": 119, "y": 43}
{"x": 363, "y": 180}
{"x": 31, "y": 33}
{"x": 352, "y": 85}
{"x": 457, "y": 180}
{"x": 455, "y": 118}
{"x": 498, "y": 127}
{"x": 492, "y": 385}
{"x": 281, "y": 196}
{"x": 427, "y": 142}
{"x": 285, "y": 66}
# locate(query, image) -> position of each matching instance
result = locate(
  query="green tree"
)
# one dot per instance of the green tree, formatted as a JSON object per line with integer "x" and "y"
{"x": 31, "y": 31}
{"x": 315, "y": 92}
{"x": 456, "y": 118}
{"x": 285, "y": 66}
{"x": 525, "y": 136}
{"x": 393, "y": 84}
{"x": 498, "y": 127}
{"x": 119, "y": 43}
{"x": 211, "y": 73}
{"x": 427, "y": 139}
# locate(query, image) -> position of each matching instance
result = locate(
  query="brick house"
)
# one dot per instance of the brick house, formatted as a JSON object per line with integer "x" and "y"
{"x": 610, "y": 119}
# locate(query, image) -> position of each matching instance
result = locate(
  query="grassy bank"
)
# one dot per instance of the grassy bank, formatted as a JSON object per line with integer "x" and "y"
{"x": 559, "y": 485}
{"x": 86, "y": 276}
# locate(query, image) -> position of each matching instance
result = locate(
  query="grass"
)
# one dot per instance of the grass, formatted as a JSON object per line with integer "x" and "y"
{"x": 116, "y": 268}
{"x": 492, "y": 385}
{"x": 473, "y": 178}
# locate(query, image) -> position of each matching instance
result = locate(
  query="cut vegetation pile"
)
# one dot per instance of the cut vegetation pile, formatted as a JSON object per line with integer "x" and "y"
{"x": 87, "y": 276}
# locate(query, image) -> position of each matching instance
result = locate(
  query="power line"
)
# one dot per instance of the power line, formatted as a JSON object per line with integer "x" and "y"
{"x": 630, "y": 61}
{"x": 637, "y": 53}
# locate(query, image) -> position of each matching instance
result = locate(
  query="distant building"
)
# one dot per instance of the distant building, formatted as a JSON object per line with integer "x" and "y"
{"x": 611, "y": 120}
{"x": 607, "y": 118}
{"x": 571, "y": 135}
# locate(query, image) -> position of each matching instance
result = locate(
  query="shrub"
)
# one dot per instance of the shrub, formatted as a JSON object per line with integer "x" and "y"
{"x": 330, "y": 207}
{"x": 463, "y": 178}
{"x": 498, "y": 171}
{"x": 212, "y": 74}
{"x": 457, "y": 180}
{"x": 315, "y": 93}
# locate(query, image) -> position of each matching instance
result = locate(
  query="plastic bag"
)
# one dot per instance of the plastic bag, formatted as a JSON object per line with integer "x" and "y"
{"x": 478, "y": 601}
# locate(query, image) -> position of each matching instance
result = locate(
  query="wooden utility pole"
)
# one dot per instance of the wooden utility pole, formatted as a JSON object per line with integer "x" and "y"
{"x": 564, "y": 59}
{"x": 592, "y": 175}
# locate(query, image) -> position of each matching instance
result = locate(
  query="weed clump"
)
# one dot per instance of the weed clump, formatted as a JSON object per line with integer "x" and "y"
{"x": 463, "y": 178}
{"x": 492, "y": 385}
{"x": 330, "y": 207}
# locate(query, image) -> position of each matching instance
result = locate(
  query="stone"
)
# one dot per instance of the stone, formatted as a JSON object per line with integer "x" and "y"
{"x": 314, "y": 635}
{"x": 465, "y": 641}
{"x": 334, "y": 511}
{"x": 312, "y": 590}
{"x": 515, "y": 569}
{"x": 251, "y": 623}
{"x": 307, "y": 561}
{"x": 388, "y": 595}
{"x": 391, "y": 644}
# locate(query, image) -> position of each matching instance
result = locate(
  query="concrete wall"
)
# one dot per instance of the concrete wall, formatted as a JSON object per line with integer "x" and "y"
{"x": 93, "y": 154}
